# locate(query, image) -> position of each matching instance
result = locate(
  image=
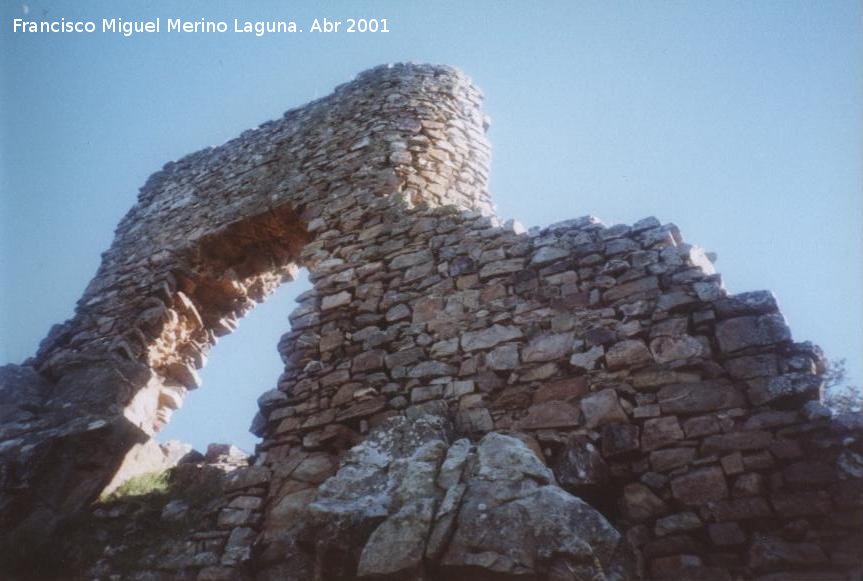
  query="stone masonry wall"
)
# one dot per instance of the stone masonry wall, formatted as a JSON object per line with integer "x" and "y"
{"x": 212, "y": 234}
{"x": 687, "y": 417}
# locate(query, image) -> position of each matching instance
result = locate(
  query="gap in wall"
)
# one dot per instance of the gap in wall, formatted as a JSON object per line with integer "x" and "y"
{"x": 241, "y": 367}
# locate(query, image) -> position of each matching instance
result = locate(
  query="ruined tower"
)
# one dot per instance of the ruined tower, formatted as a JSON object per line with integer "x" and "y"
{"x": 461, "y": 399}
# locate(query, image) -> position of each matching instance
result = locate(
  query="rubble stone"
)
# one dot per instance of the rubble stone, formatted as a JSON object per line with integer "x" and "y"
{"x": 601, "y": 408}
{"x": 660, "y": 432}
{"x": 753, "y": 331}
{"x": 700, "y": 486}
{"x": 630, "y": 353}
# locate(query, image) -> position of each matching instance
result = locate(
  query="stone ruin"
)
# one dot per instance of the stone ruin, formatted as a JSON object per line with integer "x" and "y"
{"x": 461, "y": 399}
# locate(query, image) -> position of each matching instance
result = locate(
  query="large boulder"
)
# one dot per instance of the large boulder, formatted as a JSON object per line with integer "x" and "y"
{"x": 538, "y": 528}
{"x": 411, "y": 501}
{"x": 373, "y": 516}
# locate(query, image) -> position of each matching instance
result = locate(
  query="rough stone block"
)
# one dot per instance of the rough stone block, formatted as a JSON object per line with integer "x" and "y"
{"x": 793, "y": 387}
{"x": 750, "y": 303}
{"x": 630, "y": 353}
{"x": 602, "y": 408}
{"x": 773, "y": 554}
{"x": 700, "y": 486}
{"x": 474, "y": 420}
{"x": 752, "y": 366}
{"x": 486, "y": 338}
{"x": 647, "y": 284}
{"x": 740, "y": 509}
{"x": 552, "y": 414}
{"x": 619, "y": 439}
{"x": 501, "y": 267}
{"x": 677, "y": 523}
{"x": 671, "y": 458}
{"x": 736, "y": 441}
{"x": 561, "y": 390}
{"x": 547, "y": 347}
{"x": 701, "y": 426}
{"x": 753, "y": 331}
{"x": 670, "y": 349}
{"x": 660, "y": 432}
{"x": 581, "y": 465}
{"x": 503, "y": 357}
{"x": 368, "y": 361}
{"x": 692, "y": 398}
{"x": 334, "y": 301}
{"x": 726, "y": 533}
{"x": 587, "y": 361}
{"x": 639, "y": 503}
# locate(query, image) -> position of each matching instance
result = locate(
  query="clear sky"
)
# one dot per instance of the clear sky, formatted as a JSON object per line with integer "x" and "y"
{"x": 740, "y": 122}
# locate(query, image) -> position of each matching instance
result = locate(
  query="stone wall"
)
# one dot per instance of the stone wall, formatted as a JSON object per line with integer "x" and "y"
{"x": 212, "y": 234}
{"x": 686, "y": 418}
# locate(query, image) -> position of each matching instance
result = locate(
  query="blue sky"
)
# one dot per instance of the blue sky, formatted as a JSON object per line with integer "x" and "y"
{"x": 740, "y": 122}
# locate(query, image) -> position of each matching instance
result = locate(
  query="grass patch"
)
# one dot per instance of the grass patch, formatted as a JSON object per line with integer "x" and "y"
{"x": 136, "y": 534}
{"x": 141, "y": 485}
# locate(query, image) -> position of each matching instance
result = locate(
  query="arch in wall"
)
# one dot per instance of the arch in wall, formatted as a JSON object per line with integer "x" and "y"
{"x": 221, "y": 279}
{"x": 212, "y": 234}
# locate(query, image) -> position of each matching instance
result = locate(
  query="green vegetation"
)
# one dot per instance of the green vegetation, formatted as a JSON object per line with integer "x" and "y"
{"x": 838, "y": 394}
{"x": 135, "y": 533}
{"x": 141, "y": 485}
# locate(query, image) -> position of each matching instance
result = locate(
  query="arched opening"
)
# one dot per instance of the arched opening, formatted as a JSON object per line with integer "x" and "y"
{"x": 213, "y": 284}
{"x": 242, "y": 366}
{"x": 217, "y": 282}
{"x": 211, "y": 235}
